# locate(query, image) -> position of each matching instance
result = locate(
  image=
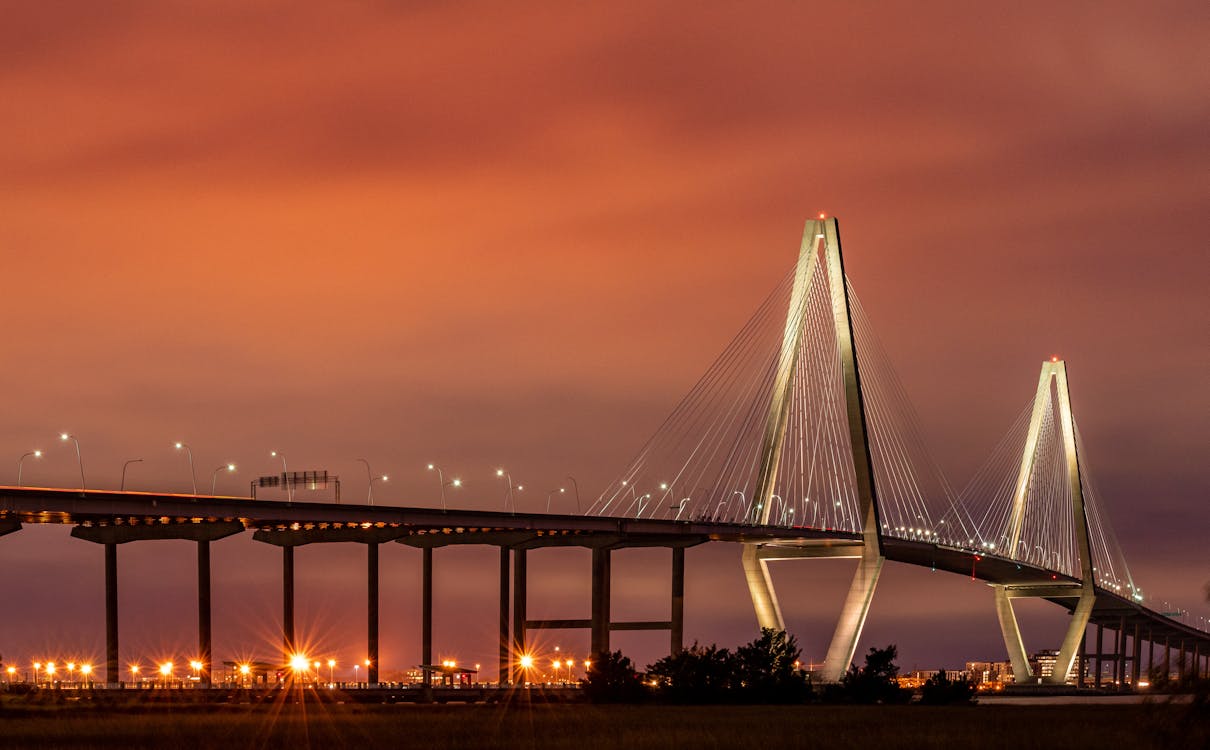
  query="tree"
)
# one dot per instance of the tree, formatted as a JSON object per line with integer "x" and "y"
{"x": 613, "y": 679}
{"x": 876, "y": 681}
{"x": 940, "y": 690}
{"x": 767, "y": 669}
{"x": 699, "y": 674}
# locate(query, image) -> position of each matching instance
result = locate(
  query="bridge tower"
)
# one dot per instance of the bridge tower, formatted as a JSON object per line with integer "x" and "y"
{"x": 869, "y": 549}
{"x": 1052, "y": 392}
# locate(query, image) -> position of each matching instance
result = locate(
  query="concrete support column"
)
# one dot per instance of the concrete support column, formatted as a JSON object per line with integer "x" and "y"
{"x": 519, "y": 602}
{"x": 426, "y": 614}
{"x": 1167, "y": 657}
{"x": 1150, "y": 654}
{"x": 204, "y": 645}
{"x": 1082, "y": 668}
{"x": 1180, "y": 665}
{"x": 1119, "y": 655}
{"x": 504, "y": 592}
{"x": 287, "y": 600}
{"x": 1138, "y": 657}
{"x": 372, "y": 612}
{"x": 677, "y": 636}
{"x": 112, "y": 670}
{"x": 1096, "y": 680}
{"x": 601, "y": 564}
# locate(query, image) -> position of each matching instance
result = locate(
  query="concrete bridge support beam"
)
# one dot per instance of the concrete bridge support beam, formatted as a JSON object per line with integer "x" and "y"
{"x": 504, "y": 676}
{"x": 426, "y": 613}
{"x": 677, "y": 634}
{"x": 1082, "y": 669}
{"x": 113, "y": 675}
{"x": 1135, "y": 668}
{"x": 205, "y": 646}
{"x": 520, "y": 600}
{"x": 287, "y": 601}
{"x": 372, "y": 613}
{"x": 1100, "y": 660}
{"x": 601, "y": 580}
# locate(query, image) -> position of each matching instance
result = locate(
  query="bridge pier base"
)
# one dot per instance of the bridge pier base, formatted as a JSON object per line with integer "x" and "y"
{"x": 1100, "y": 660}
{"x": 1135, "y": 668}
{"x": 677, "y": 634}
{"x": 372, "y": 613}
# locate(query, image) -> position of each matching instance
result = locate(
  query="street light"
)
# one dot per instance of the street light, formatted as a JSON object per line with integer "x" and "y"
{"x": 370, "y": 483}
{"x": 21, "y": 461}
{"x": 560, "y": 490}
{"x": 576, "y": 487}
{"x": 192, "y": 474}
{"x": 214, "y": 475}
{"x": 285, "y": 475}
{"x": 64, "y": 436}
{"x": 455, "y": 482}
{"x": 509, "y": 497}
{"x": 122, "y": 486}
{"x": 332, "y": 671}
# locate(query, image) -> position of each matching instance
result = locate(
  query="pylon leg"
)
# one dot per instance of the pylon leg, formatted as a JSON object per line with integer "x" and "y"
{"x": 760, "y": 586}
{"x": 1071, "y": 642}
{"x": 1012, "y": 636}
{"x": 852, "y": 618}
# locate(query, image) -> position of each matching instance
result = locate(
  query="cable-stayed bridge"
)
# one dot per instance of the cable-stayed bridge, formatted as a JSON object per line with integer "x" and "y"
{"x": 799, "y": 442}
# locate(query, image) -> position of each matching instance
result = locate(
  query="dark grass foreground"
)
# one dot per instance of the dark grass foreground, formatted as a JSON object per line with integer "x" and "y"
{"x": 587, "y": 727}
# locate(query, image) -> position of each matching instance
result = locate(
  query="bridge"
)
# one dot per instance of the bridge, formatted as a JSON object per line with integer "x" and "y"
{"x": 798, "y": 443}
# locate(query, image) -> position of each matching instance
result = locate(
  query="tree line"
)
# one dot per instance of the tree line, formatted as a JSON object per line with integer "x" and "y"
{"x": 766, "y": 670}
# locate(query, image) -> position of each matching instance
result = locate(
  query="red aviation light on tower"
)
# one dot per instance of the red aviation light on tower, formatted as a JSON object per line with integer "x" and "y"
{"x": 1054, "y": 358}
{"x": 823, "y": 215}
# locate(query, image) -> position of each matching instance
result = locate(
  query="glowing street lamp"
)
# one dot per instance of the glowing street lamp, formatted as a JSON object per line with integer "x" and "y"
{"x": 285, "y": 475}
{"x": 509, "y": 497}
{"x": 370, "y": 479}
{"x": 11, "y": 671}
{"x": 21, "y": 462}
{"x": 455, "y": 482}
{"x": 166, "y": 672}
{"x": 134, "y": 672}
{"x": 86, "y": 671}
{"x": 65, "y": 436}
{"x": 560, "y": 490}
{"x": 230, "y": 468}
{"x": 332, "y": 671}
{"x": 245, "y": 670}
{"x": 192, "y": 473}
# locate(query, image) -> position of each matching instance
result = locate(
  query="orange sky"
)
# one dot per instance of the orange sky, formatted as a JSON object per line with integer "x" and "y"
{"x": 515, "y": 234}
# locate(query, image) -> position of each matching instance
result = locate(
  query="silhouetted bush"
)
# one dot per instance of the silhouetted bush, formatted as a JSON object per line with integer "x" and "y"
{"x": 875, "y": 682}
{"x": 613, "y": 679}
{"x": 699, "y": 674}
{"x": 940, "y": 690}
{"x": 767, "y": 669}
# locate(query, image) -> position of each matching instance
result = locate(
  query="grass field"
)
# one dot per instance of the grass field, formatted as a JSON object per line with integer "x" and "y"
{"x": 585, "y": 727}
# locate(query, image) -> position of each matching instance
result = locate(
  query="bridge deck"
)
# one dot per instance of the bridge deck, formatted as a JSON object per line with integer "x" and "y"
{"x": 102, "y": 515}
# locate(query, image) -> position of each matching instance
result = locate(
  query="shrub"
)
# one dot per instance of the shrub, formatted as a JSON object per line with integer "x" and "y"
{"x": 613, "y": 679}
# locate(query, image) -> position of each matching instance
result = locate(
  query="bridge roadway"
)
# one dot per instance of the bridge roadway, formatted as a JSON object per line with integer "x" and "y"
{"x": 112, "y": 518}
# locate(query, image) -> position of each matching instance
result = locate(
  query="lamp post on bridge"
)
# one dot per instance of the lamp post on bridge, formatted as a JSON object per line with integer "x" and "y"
{"x": 509, "y": 497}
{"x": 370, "y": 479}
{"x": 560, "y": 490}
{"x": 21, "y": 462}
{"x": 576, "y": 487}
{"x": 455, "y": 482}
{"x": 214, "y": 475}
{"x": 64, "y": 436}
{"x": 122, "y": 486}
{"x": 189, "y": 452}
{"x": 285, "y": 475}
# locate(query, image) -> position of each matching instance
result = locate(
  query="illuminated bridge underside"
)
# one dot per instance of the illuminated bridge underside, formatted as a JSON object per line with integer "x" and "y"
{"x": 120, "y": 517}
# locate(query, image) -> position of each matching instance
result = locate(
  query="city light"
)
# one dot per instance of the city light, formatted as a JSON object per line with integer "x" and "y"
{"x": 245, "y": 669}
{"x": 299, "y": 663}
{"x": 85, "y": 669}
{"x": 166, "y": 668}
{"x": 526, "y": 661}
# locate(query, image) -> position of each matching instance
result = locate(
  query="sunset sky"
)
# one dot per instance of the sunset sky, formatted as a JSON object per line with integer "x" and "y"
{"x": 514, "y": 234}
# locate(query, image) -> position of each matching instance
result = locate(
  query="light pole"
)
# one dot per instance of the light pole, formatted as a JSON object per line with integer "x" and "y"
{"x": 122, "y": 486}
{"x": 214, "y": 475}
{"x": 64, "y": 436}
{"x": 370, "y": 479}
{"x": 192, "y": 473}
{"x": 680, "y": 508}
{"x": 509, "y": 497}
{"x": 357, "y": 674}
{"x": 285, "y": 475}
{"x": 560, "y": 490}
{"x": 332, "y": 672}
{"x": 21, "y": 462}
{"x": 455, "y": 482}
{"x": 576, "y": 487}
